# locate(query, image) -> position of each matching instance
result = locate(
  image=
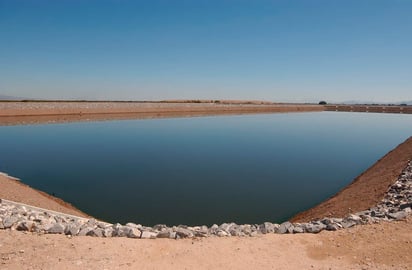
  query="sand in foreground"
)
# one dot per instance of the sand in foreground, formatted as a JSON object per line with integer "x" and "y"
{"x": 383, "y": 246}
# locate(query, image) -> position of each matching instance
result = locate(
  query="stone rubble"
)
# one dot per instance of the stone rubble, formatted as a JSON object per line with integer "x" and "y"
{"x": 396, "y": 205}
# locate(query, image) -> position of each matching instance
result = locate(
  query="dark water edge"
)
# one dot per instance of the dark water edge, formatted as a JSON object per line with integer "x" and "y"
{"x": 246, "y": 169}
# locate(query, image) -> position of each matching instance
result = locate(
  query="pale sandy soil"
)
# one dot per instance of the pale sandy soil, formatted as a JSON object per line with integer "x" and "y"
{"x": 52, "y": 112}
{"x": 383, "y": 246}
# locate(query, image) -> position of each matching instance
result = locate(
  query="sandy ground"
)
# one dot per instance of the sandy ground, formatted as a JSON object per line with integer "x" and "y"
{"x": 57, "y": 112}
{"x": 383, "y": 246}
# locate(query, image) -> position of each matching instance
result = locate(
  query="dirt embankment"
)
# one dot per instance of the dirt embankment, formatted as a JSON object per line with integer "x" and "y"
{"x": 44, "y": 112}
{"x": 369, "y": 108}
{"x": 12, "y": 189}
{"x": 366, "y": 190}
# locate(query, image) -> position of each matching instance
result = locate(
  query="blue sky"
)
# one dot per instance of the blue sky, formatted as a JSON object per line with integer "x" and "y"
{"x": 153, "y": 50}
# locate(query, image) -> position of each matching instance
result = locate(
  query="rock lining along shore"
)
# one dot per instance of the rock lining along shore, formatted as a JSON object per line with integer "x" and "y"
{"x": 396, "y": 205}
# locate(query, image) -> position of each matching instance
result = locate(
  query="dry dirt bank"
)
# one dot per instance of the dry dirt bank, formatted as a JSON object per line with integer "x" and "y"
{"x": 12, "y": 189}
{"x": 369, "y": 108}
{"x": 49, "y": 112}
{"x": 366, "y": 190}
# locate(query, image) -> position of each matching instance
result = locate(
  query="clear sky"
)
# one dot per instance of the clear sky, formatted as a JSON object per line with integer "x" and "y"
{"x": 151, "y": 50}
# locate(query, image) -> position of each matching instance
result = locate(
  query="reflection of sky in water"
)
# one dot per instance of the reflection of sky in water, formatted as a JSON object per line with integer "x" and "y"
{"x": 247, "y": 169}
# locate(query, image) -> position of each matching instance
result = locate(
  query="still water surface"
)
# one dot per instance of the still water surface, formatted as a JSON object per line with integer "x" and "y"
{"x": 245, "y": 169}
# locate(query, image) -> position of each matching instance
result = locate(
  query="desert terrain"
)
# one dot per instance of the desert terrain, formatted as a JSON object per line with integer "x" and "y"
{"x": 15, "y": 112}
{"x": 377, "y": 246}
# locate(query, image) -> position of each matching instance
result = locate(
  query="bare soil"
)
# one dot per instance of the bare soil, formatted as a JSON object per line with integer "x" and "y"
{"x": 14, "y": 190}
{"x": 383, "y": 246}
{"x": 12, "y": 113}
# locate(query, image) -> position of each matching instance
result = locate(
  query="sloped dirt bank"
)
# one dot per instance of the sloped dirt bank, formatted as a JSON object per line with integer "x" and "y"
{"x": 366, "y": 190}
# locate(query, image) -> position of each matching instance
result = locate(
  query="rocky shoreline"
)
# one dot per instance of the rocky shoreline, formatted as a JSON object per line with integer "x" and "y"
{"x": 396, "y": 205}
